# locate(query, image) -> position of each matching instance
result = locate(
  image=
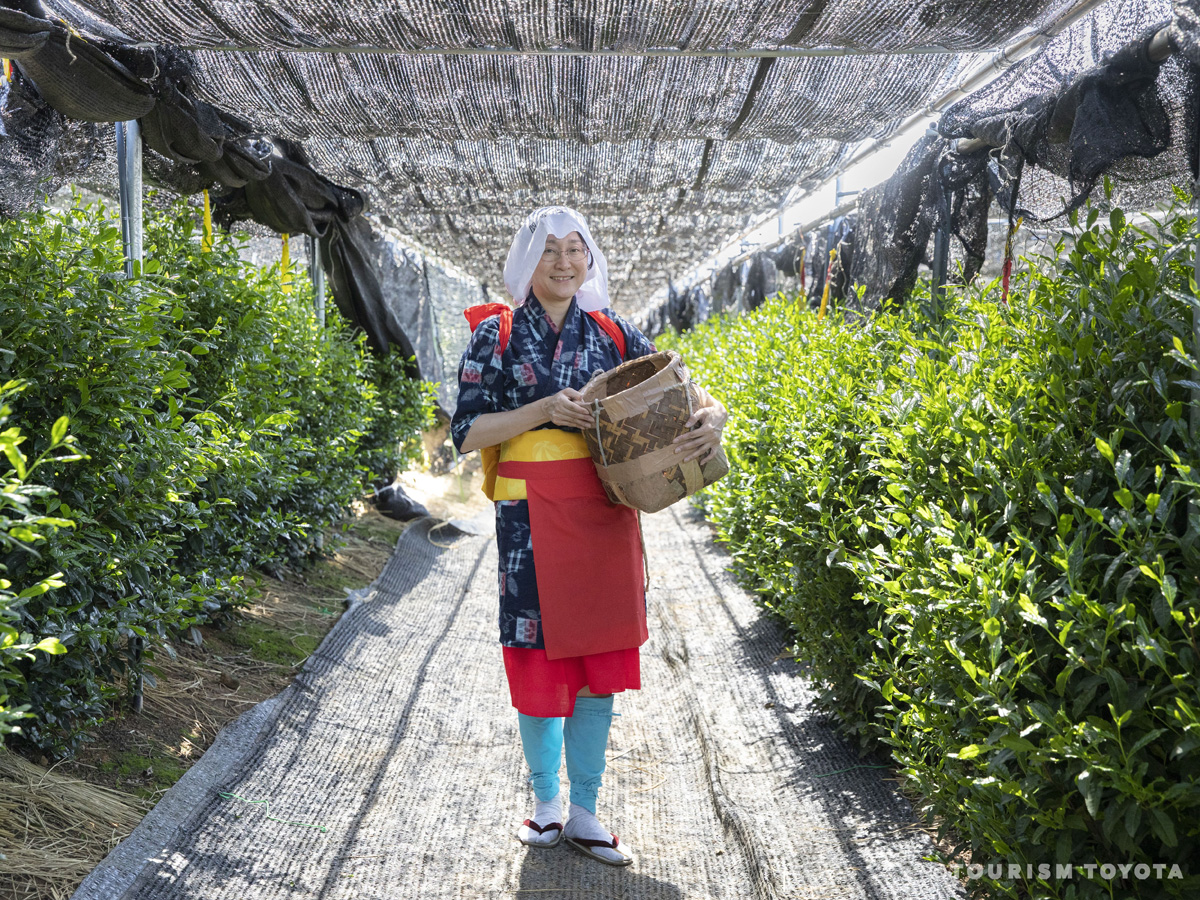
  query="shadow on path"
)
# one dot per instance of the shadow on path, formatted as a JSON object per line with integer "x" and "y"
{"x": 827, "y": 769}
{"x": 563, "y": 872}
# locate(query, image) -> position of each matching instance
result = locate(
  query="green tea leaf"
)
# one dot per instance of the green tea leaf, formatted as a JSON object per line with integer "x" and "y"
{"x": 1162, "y": 826}
{"x": 1092, "y": 790}
{"x": 51, "y": 645}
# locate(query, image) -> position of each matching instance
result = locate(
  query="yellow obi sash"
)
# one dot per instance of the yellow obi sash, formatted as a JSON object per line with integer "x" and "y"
{"x": 541, "y": 445}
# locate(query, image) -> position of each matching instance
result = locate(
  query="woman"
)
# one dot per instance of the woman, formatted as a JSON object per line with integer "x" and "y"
{"x": 572, "y": 604}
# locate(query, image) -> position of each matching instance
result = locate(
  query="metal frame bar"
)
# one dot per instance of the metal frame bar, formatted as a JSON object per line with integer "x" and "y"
{"x": 842, "y": 209}
{"x": 721, "y": 53}
{"x": 129, "y": 188}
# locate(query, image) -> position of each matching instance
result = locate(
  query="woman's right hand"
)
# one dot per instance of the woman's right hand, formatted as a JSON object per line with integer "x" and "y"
{"x": 567, "y": 409}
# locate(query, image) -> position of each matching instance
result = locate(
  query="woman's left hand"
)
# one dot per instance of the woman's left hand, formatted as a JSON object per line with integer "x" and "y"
{"x": 704, "y": 435}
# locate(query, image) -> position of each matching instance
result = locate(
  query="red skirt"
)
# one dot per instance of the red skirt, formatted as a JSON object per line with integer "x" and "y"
{"x": 547, "y": 687}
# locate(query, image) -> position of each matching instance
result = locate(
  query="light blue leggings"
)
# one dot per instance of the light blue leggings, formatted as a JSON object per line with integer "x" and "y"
{"x": 586, "y": 737}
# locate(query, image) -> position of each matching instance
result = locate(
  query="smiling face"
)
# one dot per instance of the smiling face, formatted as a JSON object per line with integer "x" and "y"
{"x": 561, "y": 270}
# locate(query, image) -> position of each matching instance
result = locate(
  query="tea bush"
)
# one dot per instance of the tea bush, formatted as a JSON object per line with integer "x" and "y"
{"x": 223, "y": 428}
{"x": 983, "y": 531}
{"x": 21, "y": 528}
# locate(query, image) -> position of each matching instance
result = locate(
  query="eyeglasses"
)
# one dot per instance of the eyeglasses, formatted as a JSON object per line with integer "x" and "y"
{"x": 573, "y": 254}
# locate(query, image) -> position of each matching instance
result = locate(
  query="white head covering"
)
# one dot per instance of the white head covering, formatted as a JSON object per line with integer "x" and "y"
{"x": 529, "y": 244}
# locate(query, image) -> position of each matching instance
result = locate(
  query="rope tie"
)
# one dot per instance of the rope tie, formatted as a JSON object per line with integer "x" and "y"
{"x": 266, "y": 805}
{"x": 1006, "y": 274}
{"x": 71, "y": 32}
{"x": 599, "y": 439}
{"x": 645, "y": 561}
{"x": 437, "y": 527}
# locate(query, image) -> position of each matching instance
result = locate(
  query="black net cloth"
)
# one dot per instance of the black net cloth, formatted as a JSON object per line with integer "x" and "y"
{"x": 350, "y": 255}
{"x": 451, "y": 143}
{"x": 825, "y": 247}
{"x": 934, "y": 186}
{"x": 790, "y": 256}
{"x": 40, "y": 148}
{"x": 667, "y": 150}
{"x": 1185, "y": 30}
{"x": 685, "y": 308}
{"x": 895, "y": 227}
{"x": 673, "y": 125}
{"x": 1091, "y": 104}
{"x": 586, "y": 99}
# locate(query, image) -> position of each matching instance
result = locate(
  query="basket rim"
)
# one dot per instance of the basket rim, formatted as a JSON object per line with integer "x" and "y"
{"x": 598, "y": 381}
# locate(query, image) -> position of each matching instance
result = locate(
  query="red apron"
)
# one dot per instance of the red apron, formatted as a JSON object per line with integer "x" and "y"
{"x": 587, "y": 555}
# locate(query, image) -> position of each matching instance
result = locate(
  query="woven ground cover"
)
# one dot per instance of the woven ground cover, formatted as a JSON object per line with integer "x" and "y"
{"x": 398, "y": 739}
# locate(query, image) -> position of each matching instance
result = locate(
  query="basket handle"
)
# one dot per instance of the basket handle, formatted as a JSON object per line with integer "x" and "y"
{"x": 596, "y": 376}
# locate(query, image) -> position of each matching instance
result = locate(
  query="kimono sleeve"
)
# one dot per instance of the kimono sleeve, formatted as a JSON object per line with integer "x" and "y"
{"x": 636, "y": 343}
{"x": 480, "y": 380}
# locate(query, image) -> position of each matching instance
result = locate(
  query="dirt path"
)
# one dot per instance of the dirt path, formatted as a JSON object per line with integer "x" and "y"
{"x": 398, "y": 741}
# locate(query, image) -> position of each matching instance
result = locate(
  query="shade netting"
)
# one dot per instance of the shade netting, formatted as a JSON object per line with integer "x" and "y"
{"x": 672, "y": 124}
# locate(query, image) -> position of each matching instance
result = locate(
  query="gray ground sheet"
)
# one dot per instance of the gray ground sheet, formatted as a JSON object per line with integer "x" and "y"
{"x": 398, "y": 738}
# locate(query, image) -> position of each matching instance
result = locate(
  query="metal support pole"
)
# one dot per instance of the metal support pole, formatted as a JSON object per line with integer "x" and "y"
{"x": 839, "y": 194}
{"x": 317, "y": 274}
{"x": 129, "y": 185}
{"x": 941, "y": 260}
{"x": 129, "y": 188}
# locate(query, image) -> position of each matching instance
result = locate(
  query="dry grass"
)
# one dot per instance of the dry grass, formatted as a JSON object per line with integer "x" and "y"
{"x": 56, "y": 825}
{"x": 55, "y": 828}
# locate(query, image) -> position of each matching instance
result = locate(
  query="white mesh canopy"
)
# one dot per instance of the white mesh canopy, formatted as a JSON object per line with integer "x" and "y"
{"x": 608, "y": 25}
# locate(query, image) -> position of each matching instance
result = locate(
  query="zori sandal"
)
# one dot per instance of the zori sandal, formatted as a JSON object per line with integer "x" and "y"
{"x": 589, "y": 846}
{"x": 529, "y": 828}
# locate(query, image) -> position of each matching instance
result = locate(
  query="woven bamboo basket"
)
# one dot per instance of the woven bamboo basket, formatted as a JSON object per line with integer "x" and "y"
{"x": 639, "y": 408}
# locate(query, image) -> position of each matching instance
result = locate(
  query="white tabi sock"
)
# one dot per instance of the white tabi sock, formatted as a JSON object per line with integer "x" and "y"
{"x": 583, "y": 824}
{"x": 545, "y": 812}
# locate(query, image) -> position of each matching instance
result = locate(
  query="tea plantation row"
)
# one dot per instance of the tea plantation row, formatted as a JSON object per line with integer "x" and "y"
{"x": 192, "y": 424}
{"x": 983, "y": 532}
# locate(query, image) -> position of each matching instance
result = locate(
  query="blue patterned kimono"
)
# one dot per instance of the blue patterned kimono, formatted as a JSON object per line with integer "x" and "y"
{"x": 539, "y": 361}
